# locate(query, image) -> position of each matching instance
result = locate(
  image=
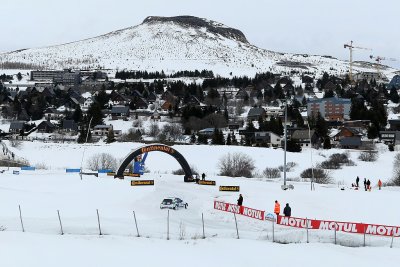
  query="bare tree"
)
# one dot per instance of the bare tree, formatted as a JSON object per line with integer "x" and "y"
{"x": 321, "y": 176}
{"x": 102, "y": 161}
{"x": 236, "y": 165}
{"x": 396, "y": 170}
{"x": 172, "y": 131}
{"x": 272, "y": 173}
{"x": 154, "y": 129}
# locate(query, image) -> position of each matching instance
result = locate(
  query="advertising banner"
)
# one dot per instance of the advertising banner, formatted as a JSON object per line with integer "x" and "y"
{"x": 230, "y": 188}
{"x": 207, "y": 182}
{"x": 242, "y": 210}
{"x": 348, "y": 227}
{"x": 142, "y": 182}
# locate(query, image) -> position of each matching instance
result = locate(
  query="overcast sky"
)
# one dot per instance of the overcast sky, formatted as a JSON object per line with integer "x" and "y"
{"x": 297, "y": 26}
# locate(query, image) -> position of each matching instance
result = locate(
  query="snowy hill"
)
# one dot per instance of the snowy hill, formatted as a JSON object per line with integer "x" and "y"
{"x": 177, "y": 43}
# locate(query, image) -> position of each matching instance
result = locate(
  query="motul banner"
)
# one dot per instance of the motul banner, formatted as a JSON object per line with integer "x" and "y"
{"x": 348, "y": 227}
{"x": 242, "y": 210}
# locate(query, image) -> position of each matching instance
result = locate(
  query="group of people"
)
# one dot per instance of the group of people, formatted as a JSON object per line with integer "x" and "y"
{"x": 287, "y": 211}
{"x": 197, "y": 178}
{"x": 367, "y": 184}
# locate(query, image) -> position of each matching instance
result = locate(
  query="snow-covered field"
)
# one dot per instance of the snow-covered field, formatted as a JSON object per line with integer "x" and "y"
{"x": 41, "y": 193}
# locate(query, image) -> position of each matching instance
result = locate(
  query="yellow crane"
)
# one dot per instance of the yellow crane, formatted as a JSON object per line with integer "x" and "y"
{"x": 351, "y": 47}
{"x": 378, "y": 60}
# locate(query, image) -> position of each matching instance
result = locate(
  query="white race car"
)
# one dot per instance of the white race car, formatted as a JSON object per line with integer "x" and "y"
{"x": 173, "y": 203}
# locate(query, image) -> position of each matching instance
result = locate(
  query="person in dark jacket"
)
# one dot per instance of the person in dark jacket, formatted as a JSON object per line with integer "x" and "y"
{"x": 368, "y": 185}
{"x": 240, "y": 200}
{"x": 287, "y": 211}
{"x": 357, "y": 180}
{"x": 203, "y": 176}
{"x": 365, "y": 184}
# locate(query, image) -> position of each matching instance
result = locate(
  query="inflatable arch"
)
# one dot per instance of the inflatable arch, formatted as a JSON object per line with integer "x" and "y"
{"x": 156, "y": 147}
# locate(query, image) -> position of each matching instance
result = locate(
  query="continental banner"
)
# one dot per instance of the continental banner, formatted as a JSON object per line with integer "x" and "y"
{"x": 242, "y": 210}
{"x": 132, "y": 174}
{"x": 207, "y": 182}
{"x": 348, "y": 227}
{"x": 229, "y": 188}
{"x": 142, "y": 182}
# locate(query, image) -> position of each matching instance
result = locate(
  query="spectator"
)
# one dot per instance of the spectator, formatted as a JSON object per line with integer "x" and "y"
{"x": 277, "y": 208}
{"x": 357, "y": 180}
{"x": 240, "y": 200}
{"x": 203, "y": 176}
{"x": 379, "y": 184}
{"x": 287, "y": 211}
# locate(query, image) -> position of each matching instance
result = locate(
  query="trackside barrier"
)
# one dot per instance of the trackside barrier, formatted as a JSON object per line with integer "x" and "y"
{"x": 105, "y": 171}
{"x": 28, "y": 168}
{"x": 72, "y": 170}
{"x": 347, "y": 227}
{"x": 242, "y": 210}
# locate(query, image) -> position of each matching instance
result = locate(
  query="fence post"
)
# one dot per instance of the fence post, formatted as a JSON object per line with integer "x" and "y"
{"x": 391, "y": 243}
{"x": 20, "y": 217}
{"x": 168, "y": 226}
{"x": 335, "y": 233}
{"x": 237, "y": 230}
{"x": 59, "y": 219}
{"x": 202, "y": 220}
{"x": 137, "y": 229}
{"x": 273, "y": 231}
{"x": 364, "y": 235}
{"x": 307, "y": 228}
{"x": 98, "y": 221}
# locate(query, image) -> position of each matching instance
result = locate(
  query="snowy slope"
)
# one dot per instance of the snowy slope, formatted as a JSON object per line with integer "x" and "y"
{"x": 41, "y": 193}
{"x": 173, "y": 44}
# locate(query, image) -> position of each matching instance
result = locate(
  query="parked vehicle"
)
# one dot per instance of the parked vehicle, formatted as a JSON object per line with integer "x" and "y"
{"x": 173, "y": 203}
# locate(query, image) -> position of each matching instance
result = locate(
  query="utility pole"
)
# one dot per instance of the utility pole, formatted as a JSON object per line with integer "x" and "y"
{"x": 284, "y": 157}
{"x": 312, "y": 166}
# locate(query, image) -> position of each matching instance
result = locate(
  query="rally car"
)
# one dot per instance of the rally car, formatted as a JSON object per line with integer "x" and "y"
{"x": 173, "y": 203}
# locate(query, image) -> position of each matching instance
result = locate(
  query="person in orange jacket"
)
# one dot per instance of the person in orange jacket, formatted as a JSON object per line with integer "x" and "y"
{"x": 277, "y": 208}
{"x": 379, "y": 184}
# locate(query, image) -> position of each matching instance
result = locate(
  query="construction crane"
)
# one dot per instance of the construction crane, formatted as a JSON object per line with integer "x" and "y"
{"x": 378, "y": 60}
{"x": 351, "y": 47}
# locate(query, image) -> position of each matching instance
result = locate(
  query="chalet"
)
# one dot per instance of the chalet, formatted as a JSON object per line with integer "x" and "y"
{"x": 16, "y": 127}
{"x": 302, "y": 137}
{"x": 120, "y": 112}
{"x": 101, "y": 130}
{"x": 345, "y": 132}
{"x": 139, "y": 103}
{"x": 69, "y": 126}
{"x": 351, "y": 142}
{"x": 52, "y": 114}
{"x": 118, "y": 99}
{"x": 395, "y": 82}
{"x": 152, "y": 98}
{"x": 255, "y": 114}
{"x": 167, "y": 106}
{"x": 46, "y": 127}
{"x": 265, "y": 139}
